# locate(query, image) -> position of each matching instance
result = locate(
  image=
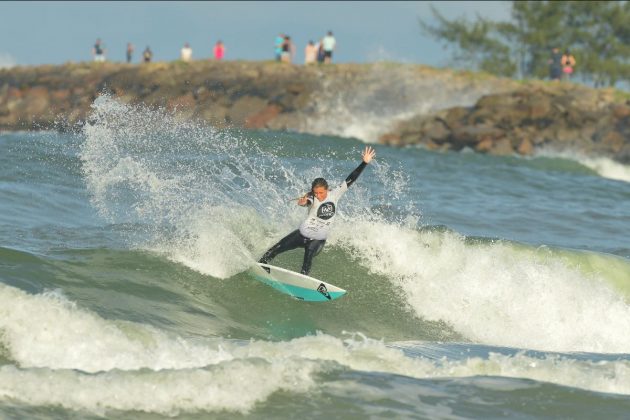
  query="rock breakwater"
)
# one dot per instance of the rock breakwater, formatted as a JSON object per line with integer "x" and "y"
{"x": 559, "y": 117}
{"x": 395, "y": 104}
{"x": 360, "y": 100}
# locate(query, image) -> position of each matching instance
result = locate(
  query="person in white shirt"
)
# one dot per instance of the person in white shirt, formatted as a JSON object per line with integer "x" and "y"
{"x": 186, "y": 53}
{"x": 328, "y": 44}
{"x": 322, "y": 208}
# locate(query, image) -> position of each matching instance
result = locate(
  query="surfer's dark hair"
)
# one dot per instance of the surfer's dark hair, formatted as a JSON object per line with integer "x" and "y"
{"x": 319, "y": 182}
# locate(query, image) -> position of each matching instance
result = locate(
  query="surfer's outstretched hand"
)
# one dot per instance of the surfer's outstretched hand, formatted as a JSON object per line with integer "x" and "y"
{"x": 368, "y": 154}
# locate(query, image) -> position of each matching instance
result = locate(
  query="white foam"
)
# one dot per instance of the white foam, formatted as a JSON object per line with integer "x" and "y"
{"x": 47, "y": 330}
{"x": 234, "y": 386}
{"x": 258, "y": 369}
{"x": 605, "y": 167}
{"x": 494, "y": 293}
{"x": 192, "y": 189}
{"x": 69, "y": 357}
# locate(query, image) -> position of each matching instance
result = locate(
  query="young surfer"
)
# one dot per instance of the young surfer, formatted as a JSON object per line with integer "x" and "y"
{"x": 322, "y": 208}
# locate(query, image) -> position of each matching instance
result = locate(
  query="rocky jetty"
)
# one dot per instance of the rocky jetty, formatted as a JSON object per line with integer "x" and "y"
{"x": 396, "y": 104}
{"x": 560, "y": 116}
{"x": 316, "y": 99}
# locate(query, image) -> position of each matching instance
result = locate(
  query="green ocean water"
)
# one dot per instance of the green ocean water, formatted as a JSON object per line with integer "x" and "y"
{"x": 478, "y": 286}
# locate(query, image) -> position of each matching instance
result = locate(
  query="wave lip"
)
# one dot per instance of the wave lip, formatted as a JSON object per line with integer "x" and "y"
{"x": 603, "y": 166}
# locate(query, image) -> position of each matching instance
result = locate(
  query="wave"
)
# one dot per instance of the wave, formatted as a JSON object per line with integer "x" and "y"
{"x": 214, "y": 201}
{"x": 63, "y": 355}
{"x": 498, "y": 293}
{"x": 602, "y": 166}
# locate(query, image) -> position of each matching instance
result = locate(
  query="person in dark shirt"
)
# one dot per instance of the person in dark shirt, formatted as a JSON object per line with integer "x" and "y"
{"x": 147, "y": 55}
{"x": 98, "y": 51}
{"x": 555, "y": 64}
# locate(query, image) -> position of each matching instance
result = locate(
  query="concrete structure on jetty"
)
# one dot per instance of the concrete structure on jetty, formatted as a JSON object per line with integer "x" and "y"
{"x": 395, "y": 104}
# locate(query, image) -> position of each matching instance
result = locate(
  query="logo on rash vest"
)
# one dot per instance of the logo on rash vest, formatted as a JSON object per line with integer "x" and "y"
{"x": 322, "y": 289}
{"x": 326, "y": 211}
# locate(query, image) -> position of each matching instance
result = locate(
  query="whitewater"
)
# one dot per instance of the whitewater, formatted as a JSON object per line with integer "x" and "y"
{"x": 478, "y": 286}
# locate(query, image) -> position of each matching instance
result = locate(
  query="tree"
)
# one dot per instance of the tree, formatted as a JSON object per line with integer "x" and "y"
{"x": 596, "y": 32}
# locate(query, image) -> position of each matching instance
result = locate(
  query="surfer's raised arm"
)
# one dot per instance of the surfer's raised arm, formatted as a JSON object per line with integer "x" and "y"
{"x": 367, "y": 155}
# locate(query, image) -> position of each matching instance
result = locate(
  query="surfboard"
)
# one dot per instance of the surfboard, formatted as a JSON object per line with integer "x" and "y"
{"x": 294, "y": 284}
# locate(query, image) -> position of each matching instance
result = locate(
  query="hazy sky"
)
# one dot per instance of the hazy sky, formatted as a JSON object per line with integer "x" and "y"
{"x": 57, "y": 32}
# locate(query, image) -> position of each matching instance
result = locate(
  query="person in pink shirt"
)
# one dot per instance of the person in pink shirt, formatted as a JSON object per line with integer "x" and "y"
{"x": 219, "y": 50}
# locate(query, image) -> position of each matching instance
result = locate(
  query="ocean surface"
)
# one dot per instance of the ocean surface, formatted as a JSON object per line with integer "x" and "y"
{"x": 478, "y": 286}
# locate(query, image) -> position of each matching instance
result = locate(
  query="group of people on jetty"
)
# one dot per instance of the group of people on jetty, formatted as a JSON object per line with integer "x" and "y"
{"x": 284, "y": 48}
{"x": 99, "y": 52}
{"x": 320, "y": 52}
{"x": 561, "y": 66}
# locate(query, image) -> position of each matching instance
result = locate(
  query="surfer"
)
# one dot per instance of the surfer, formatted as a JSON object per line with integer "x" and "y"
{"x": 322, "y": 208}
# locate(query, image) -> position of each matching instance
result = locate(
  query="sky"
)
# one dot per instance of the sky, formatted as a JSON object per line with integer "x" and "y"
{"x": 55, "y": 32}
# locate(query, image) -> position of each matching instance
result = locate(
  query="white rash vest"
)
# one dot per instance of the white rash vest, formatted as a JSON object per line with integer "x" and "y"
{"x": 321, "y": 214}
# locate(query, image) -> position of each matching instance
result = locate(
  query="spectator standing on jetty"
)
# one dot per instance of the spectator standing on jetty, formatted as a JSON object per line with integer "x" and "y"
{"x": 310, "y": 53}
{"x": 555, "y": 64}
{"x": 288, "y": 50}
{"x": 186, "y": 53}
{"x": 219, "y": 50}
{"x": 328, "y": 43}
{"x": 320, "y": 52}
{"x": 98, "y": 51}
{"x": 278, "y": 46}
{"x": 147, "y": 55}
{"x": 568, "y": 62}
{"x": 129, "y": 52}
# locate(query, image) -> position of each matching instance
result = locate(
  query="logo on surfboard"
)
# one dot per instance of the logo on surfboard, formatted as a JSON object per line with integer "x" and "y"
{"x": 322, "y": 289}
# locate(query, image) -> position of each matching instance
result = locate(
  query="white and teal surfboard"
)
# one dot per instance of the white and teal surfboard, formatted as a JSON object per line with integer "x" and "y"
{"x": 295, "y": 284}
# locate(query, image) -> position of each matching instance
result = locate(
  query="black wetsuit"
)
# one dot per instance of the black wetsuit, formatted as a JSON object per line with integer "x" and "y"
{"x": 296, "y": 239}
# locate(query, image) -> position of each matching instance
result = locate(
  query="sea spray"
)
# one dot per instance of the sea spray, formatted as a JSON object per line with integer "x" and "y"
{"x": 205, "y": 197}
{"x": 170, "y": 177}
{"x": 386, "y": 94}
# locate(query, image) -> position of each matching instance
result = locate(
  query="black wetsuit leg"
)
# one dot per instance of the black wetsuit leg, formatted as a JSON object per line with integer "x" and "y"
{"x": 291, "y": 241}
{"x": 311, "y": 249}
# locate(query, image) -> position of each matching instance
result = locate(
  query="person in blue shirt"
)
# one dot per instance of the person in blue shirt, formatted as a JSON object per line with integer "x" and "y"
{"x": 278, "y": 46}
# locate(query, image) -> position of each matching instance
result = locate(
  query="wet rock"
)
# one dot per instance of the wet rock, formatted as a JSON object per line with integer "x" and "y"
{"x": 245, "y": 107}
{"x": 525, "y": 147}
{"x": 263, "y": 118}
{"x": 564, "y": 117}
